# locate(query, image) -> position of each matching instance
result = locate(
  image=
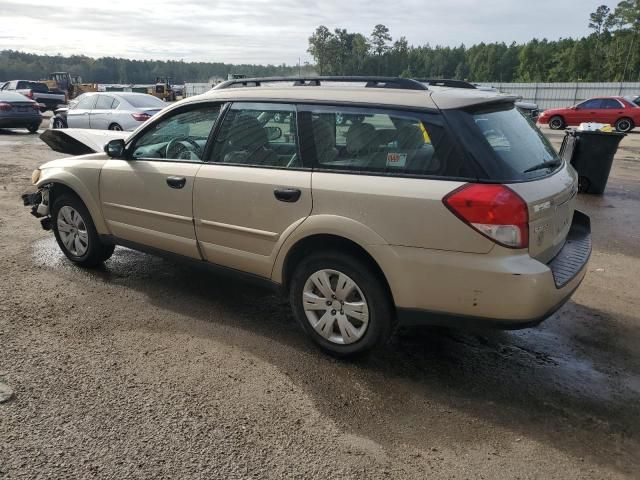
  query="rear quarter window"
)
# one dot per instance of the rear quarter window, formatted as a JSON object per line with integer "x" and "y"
{"x": 379, "y": 141}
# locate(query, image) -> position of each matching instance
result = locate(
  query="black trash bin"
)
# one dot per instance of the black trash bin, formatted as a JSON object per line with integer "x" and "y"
{"x": 591, "y": 154}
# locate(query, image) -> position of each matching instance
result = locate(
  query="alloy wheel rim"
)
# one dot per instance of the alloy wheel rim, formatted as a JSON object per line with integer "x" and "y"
{"x": 335, "y": 307}
{"x": 117, "y": 128}
{"x": 73, "y": 231}
{"x": 624, "y": 125}
{"x": 556, "y": 123}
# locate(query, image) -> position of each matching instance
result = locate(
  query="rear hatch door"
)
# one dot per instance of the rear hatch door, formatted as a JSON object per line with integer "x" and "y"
{"x": 551, "y": 203}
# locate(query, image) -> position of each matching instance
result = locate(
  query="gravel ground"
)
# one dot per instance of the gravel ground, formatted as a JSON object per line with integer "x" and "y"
{"x": 150, "y": 369}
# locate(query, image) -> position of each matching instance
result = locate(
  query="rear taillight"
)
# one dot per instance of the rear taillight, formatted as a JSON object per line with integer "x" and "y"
{"x": 5, "y": 107}
{"x": 496, "y": 211}
{"x": 141, "y": 117}
{"x": 29, "y": 94}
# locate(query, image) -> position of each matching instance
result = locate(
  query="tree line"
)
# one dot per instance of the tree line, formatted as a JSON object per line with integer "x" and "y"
{"x": 609, "y": 53}
{"x": 19, "y": 65}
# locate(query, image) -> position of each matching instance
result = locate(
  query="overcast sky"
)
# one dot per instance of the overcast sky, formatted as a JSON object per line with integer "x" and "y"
{"x": 271, "y": 31}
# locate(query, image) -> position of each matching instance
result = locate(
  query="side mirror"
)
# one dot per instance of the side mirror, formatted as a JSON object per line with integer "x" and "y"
{"x": 115, "y": 148}
{"x": 274, "y": 133}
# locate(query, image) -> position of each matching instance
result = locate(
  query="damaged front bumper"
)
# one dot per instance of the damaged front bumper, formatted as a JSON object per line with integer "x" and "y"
{"x": 39, "y": 203}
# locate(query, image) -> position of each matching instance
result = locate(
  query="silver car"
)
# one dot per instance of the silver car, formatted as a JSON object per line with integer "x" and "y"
{"x": 108, "y": 111}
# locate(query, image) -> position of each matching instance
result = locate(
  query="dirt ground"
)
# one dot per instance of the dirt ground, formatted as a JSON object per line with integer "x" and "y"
{"x": 151, "y": 369}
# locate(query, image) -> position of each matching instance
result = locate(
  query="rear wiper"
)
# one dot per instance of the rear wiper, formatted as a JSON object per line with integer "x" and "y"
{"x": 543, "y": 165}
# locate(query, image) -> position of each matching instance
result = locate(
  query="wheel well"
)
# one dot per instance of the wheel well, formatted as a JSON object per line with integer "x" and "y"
{"x": 57, "y": 189}
{"x": 317, "y": 243}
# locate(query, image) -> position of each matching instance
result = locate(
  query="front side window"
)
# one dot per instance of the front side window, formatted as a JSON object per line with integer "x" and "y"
{"x": 86, "y": 103}
{"x": 104, "y": 102}
{"x": 181, "y": 136}
{"x": 593, "y": 104}
{"x": 379, "y": 141}
{"x": 261, "y": 135}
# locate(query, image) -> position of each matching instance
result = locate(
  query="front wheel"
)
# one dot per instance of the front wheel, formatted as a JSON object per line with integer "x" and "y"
{"x": 341, "y": 303}
{"x": 33, "y": 128}
{"x": 58, "y": 123}
{"x": 624, "y": 125}
{"x": 76, "y": 234}
{"x": 556, "y": 123}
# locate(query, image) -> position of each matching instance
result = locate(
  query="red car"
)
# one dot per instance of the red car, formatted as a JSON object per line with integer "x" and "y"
{"x": 617, "y": 111}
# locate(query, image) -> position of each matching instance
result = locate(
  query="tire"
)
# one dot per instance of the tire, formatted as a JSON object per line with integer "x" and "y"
{"x": 370, "y": 327}
{"x": 57, "y": 123}
{"x": 583, "y": 185}
{"x": 115, "y": 127}
{"x": 33, "y": 128}
{"x": 624, "y": 125}
{"x": 64, "y": 217}
{"x": 556, "y": 122}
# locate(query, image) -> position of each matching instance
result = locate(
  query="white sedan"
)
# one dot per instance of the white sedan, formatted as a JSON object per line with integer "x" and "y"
{"x": 108, "y": 111}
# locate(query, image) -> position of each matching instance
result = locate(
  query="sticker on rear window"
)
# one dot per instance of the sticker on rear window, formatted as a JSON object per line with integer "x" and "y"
{"x": 396, "y": 159}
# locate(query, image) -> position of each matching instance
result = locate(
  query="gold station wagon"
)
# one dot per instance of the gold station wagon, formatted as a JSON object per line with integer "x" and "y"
{"x": 371, "y": 202}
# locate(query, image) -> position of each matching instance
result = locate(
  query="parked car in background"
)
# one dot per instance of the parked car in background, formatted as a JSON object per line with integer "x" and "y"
{"x": 617, "y": 111}
{"x": 439, "y": 206}
{"x": 37, "y": 91}
{"x": 634, "y": 99}
{"x": 18, "y": 111}
{"x": 108, "y": 111}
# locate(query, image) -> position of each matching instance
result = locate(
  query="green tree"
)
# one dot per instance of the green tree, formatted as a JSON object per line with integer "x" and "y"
{"x": 320, "y": 47}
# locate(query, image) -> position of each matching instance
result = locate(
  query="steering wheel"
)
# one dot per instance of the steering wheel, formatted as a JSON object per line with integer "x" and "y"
{"x": 177, "y": 147}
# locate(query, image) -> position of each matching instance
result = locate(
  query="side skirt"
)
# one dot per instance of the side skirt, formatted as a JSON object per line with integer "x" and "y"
{"x": 232, "y": 272}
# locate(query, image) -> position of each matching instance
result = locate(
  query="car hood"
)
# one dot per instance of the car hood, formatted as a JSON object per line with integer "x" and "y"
{"x": 79, "y": 141}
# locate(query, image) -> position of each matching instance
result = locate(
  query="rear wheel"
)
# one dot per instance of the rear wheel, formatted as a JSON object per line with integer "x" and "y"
{"x": 76, "y": 234}
{"x": 556, "y": 122}
{"x": 624, "y": 125}
{"x": 33, "y": 128}
{"x": 115, "y": 127}
{"x": 341, "y": 303}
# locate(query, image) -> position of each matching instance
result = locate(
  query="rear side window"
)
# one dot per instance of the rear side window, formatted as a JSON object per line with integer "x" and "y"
{"x": 258, "y": 135}
{"x": 377, "y": 141}
{"x": 611, "y": 103}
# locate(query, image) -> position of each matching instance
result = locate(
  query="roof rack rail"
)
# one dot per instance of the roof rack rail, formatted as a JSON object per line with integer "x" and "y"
{"x": 446, "y": 82}
{"x": 370, "y": 82}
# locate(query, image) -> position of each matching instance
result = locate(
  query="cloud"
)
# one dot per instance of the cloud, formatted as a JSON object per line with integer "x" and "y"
{"x": 272, "y": 31}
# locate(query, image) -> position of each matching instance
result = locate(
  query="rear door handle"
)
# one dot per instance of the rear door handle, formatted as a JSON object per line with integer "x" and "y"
{"x": 289, "y": 195}
{"x": 176, "y": 182}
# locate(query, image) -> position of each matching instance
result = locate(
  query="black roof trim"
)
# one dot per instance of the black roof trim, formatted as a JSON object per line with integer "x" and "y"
{"x": 370, "y": 82}
{"x": 447, "y": 82}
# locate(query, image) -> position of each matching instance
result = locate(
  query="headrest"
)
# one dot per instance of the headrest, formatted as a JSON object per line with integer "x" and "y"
{"x": 247, "y": 133}
{"x": 323, "y": 134}
{"x": 410, "y": 137}
{"x": 360, "y": 137}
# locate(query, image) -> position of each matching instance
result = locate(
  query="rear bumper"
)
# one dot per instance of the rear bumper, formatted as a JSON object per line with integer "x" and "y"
{"x": 501, "y": 289}
{"x": 20, "y": 122}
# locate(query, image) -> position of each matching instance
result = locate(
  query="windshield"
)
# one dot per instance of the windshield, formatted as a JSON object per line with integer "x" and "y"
{"x": 506, "y": 144}
{"x": 144, "y": 101}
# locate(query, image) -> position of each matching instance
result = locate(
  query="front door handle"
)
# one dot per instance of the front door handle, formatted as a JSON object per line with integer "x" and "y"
{"x": 287, "y": 194}
{"x": 176, "y": 182}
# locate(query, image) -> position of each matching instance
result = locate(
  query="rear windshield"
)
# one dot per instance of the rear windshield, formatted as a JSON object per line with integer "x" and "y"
{"x": 34, "y": 86}
{"x": 506, "y": 145}
{"x": 144, "y": 101}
